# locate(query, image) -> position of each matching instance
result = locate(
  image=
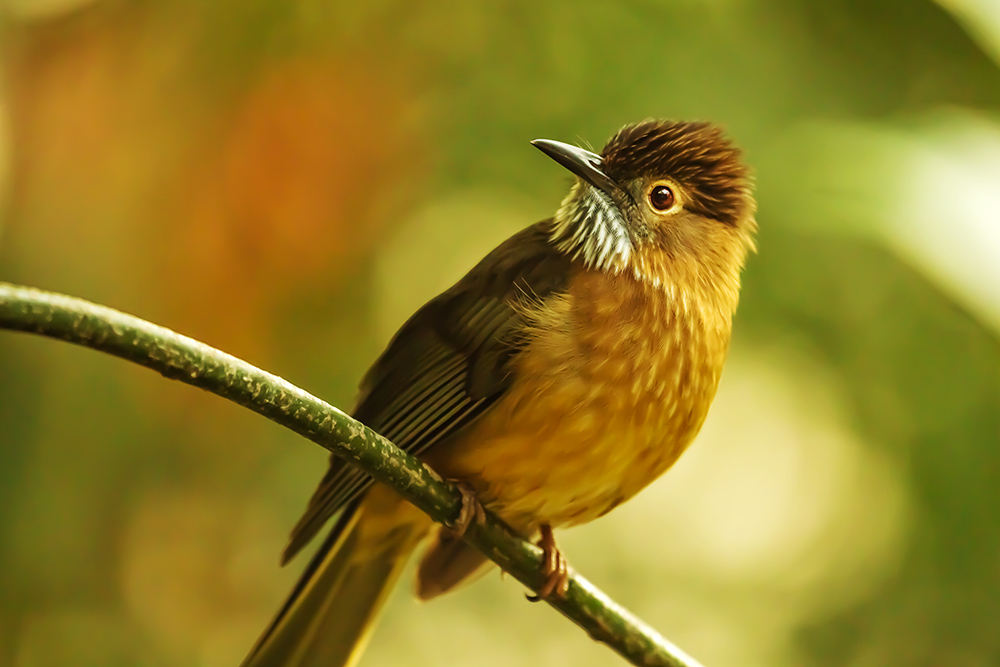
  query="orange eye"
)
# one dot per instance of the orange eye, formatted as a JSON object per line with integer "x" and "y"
{"x": 661, "y": 197}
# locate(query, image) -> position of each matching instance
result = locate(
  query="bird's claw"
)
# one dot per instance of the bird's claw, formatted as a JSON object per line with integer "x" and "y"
{"x": 554, "y": 567}
{"x": 472, "y": 510}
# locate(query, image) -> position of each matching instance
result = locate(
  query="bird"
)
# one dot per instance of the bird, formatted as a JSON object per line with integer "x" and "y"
{"x": 565, "y": 372}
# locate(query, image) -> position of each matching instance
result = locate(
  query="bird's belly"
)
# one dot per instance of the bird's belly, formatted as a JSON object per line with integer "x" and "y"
{"x": 611, "y": 386}
{"x": 564, "y": 467}
{"x": 568, "y": 447}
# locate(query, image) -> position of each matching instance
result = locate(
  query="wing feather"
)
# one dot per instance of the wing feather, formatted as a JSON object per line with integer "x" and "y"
{"x": 446, "y": 366}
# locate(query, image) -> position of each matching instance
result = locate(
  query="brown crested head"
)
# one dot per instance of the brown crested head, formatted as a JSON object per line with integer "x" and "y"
{"x": 664, "y": 199}
{"x": 698, "y": 156}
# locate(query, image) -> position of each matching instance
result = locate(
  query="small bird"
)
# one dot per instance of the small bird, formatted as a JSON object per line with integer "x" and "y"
{"x": 565, "y": 372}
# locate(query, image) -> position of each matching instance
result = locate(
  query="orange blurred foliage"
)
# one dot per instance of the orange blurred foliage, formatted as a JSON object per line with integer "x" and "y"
{"x": 297, "y": 190}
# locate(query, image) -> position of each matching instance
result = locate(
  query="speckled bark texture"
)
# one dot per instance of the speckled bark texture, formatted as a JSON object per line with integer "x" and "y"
{"x": 181, "y": 358}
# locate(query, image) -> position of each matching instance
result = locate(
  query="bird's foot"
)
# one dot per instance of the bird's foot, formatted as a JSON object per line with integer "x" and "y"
{"x": 554, "y": 567}
{"x": 472, "y": 510}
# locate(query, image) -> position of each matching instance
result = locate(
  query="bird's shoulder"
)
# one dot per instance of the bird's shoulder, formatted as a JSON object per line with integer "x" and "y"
{"x": 475, "y": 317}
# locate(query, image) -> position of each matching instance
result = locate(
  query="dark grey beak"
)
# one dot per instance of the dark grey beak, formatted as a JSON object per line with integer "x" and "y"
{"x": 584, "y": 164}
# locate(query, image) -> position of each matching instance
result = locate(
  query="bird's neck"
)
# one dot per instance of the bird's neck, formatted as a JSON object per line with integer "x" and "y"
{"x": 588, "y": 228}
{"x": 708, "y": 287}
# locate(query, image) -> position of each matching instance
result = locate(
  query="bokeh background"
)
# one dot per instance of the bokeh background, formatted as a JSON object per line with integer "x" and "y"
{"x": 289, "y": 179}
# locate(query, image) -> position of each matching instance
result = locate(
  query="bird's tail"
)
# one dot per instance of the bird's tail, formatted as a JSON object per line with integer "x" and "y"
{"x": 329, "y": 617}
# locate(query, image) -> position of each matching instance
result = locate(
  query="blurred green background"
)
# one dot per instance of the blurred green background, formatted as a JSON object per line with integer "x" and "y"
{"x": 288, "y": 180}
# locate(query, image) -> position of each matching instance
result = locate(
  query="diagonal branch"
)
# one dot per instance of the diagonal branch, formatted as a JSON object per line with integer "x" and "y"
{"x": 181, "y": 358}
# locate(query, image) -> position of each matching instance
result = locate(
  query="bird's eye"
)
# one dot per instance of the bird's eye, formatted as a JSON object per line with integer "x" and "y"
{"x": 661, "y": 197}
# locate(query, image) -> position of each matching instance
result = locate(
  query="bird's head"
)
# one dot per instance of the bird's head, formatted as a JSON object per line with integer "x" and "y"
{"x": 666, "y": 201}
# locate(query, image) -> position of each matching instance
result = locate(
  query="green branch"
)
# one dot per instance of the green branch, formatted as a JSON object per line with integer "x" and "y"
{"x": 181, "y": 358}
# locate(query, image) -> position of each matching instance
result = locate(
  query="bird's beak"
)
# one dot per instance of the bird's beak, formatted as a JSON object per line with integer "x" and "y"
{"x": 584, "y": 164}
